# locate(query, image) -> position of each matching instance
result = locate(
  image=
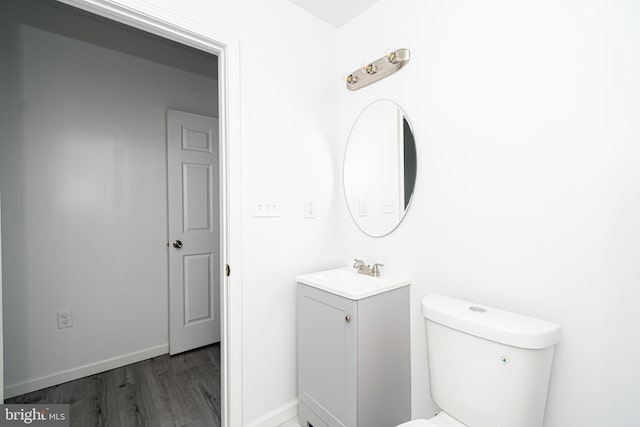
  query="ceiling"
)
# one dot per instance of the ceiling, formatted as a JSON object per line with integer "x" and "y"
{"x": 335, "y": 12}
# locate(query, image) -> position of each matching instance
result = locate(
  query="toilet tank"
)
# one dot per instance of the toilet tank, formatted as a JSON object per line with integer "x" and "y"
{"x": 488, "y": 367}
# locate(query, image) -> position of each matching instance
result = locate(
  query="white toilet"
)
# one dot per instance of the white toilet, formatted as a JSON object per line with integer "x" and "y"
{"x": 487, "y": 367}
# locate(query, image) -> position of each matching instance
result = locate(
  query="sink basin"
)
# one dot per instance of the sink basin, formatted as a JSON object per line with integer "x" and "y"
{"x": 347, "y": 283}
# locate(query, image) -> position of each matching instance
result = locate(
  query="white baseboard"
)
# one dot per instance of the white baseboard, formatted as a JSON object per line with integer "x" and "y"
{"x": 277, "y": 416}
{"x": 83, "y": 371}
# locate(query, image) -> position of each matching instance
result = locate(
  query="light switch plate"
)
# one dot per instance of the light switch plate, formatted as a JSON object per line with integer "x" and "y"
{"x": 266, "y": 207}
{"x": 388, "y": 207}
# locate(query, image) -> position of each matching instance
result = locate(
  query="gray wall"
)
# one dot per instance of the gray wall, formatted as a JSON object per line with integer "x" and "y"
{"x": 83, "y": 180}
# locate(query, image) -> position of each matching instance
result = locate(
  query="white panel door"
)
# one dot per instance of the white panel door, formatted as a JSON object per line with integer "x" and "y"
{"x": 194, "y": 240}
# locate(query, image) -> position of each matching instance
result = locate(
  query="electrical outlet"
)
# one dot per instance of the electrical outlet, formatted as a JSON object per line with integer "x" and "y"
{"x": 65, "y": 319}
{"x": 362, "y": 208}
{"x": 310, "y": 208}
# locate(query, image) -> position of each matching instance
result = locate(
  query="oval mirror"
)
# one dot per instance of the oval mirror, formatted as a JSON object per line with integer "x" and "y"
{"x": 379, "y": 168}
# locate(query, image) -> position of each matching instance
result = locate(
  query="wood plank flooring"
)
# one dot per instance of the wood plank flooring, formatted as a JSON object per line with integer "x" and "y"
{"x": 181, "y": 391}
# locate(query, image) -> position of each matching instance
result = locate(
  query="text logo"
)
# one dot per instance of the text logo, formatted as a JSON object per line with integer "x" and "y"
{"x": 34, "y": 415}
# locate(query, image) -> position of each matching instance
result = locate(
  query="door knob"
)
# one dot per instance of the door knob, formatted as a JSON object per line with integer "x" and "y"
{"x": 347, "y": 318}
{"x": 177, "y": 244}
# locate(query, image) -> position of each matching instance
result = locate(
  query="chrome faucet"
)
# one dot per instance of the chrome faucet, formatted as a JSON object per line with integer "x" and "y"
{"x": 365, "y": 269}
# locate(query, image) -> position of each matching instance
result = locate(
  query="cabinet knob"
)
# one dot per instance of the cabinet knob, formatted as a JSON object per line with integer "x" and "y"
{"x": 347, "y": 318}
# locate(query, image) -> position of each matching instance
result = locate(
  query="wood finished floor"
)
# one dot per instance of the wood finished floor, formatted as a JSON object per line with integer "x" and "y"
{"x": 181, "y": 390}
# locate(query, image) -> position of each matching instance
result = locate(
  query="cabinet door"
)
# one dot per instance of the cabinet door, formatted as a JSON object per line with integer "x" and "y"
{"x": 327, "y": 331}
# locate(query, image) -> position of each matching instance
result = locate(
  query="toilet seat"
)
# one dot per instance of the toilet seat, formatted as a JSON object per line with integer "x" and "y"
{"x": 442, "y": 419}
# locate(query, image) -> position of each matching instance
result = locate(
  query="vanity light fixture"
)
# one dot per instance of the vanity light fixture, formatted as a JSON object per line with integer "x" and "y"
{"x": 378, "y": 69}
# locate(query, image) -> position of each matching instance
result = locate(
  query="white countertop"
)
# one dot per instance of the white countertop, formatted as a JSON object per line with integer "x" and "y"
{"x": 348, "y": 283}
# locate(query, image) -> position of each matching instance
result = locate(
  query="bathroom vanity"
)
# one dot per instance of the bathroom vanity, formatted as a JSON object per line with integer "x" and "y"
{"x": 353, "y": 350}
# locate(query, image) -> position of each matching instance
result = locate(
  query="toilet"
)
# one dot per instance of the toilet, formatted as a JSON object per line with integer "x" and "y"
{"x": 487, "y": 367}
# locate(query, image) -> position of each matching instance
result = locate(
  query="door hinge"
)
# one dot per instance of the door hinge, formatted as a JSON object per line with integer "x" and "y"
{"x": 227, "y": 270}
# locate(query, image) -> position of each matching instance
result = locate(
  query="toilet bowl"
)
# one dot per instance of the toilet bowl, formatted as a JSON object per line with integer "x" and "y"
{"x": 487, "y": 367}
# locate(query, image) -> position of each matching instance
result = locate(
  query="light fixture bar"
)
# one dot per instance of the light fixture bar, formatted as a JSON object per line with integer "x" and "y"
{"x": 378, "y": 69}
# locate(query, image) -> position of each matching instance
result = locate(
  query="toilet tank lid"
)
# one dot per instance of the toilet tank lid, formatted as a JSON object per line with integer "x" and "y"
{"x": 493, "y": 324}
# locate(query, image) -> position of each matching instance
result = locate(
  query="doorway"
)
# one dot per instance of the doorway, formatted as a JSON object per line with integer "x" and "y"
{"x": 115, "y": 176}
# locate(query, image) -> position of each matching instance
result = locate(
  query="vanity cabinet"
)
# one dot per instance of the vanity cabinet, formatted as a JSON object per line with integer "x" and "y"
{"x": 353, "y": 357}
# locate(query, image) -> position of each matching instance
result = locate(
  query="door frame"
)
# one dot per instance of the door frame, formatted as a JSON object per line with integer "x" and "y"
{"x": 1, "y": 325}
{"x": 149, "y": 18}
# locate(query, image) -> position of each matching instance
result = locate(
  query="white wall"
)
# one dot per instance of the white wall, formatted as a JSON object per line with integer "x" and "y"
{"x": 526, "y": 123}
{"x": 83, "y": 175}
{"x": 289, "y": 151}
